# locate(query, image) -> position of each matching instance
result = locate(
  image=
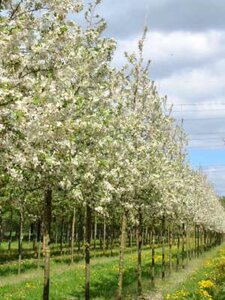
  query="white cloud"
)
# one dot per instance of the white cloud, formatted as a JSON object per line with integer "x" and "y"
{"x": 196, "y": 85}
{"x": 176, "y": 47}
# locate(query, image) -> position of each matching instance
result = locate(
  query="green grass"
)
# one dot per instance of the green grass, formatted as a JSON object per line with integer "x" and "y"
{"x": 9, "y": 263}
{"x": 67, "y": 280}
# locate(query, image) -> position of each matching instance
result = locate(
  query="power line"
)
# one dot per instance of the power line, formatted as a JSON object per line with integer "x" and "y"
{"x": 215, "y": 171}
{"x": 212, "y": 166}
{"x": 207, "y": 133}
{"x": 199, "y": 119}
{"x": 194, "y": 110}
{"x": 206, "y": 139}
{"x": 209, "y": 147}
{"x": 195, "y": 104}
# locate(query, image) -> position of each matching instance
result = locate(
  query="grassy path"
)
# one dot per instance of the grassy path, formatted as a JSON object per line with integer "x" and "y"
{"x": 177, "y": 279}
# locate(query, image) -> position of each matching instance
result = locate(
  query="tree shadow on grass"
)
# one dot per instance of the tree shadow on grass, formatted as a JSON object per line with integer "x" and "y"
{"x": 105, "y": 286}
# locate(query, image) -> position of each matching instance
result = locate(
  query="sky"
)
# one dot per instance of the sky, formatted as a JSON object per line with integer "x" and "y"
{"x": 186, "y": 46}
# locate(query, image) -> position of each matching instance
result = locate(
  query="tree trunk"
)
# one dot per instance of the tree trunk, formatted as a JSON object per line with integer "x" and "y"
{"x": 183, "y": 244}
{"x": 1, "y": 235}
{"x": 39, "y": 226}
{"x": 198, "y": 241}
{"x": 195, "y": 233}
{"x": 95, "y": 233}
{"x": 153, "y": 258}
{"x": 139, "y": 244}
{"x": 47, "y": 213}
{"x": 170, "y": 246}
{"x": 20, "y": 242}
{"x": 121, "y": 255}
{"x": 163, "y": 248}
{"x": 61, "y": 235}
{"x": 104, "y": 236}
{"x": 29, "y": 235}
{"x": 131, "y": 238}
{"x": 111, "y": 241}
{"x": 87, "y": 250}
{"x": 178, "y": 248}
{"x": 188, "y": 249}
{"x": 72, "y": 234}
{"x": 10, "y": 233}
{"x": 205, "y": 239}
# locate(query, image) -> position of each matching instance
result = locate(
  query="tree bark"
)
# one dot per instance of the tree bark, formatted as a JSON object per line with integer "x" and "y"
{"x": 39, "y": 226}
{"x": 20, "y": 242}
{"x": 95, "y": 233}
{"x": 61, "y": 235}
{"x": 46, "y": 239}
{"x": 87, "y": 250}
{"x": 183, "y": 244}
{"x": 10, "y": 233}
{"x": 72, "y": 234}
{"x": 170, "y": 246}
{"x": 121, "y": 255}
{"x": 104, "y": 236}
{"x": 198, "y": 241}
{"x": 1, "y": 230}
{"x": 163, "y": 248}
{"x": 178, "y": 248}
{"x": 139, "y": 244}
{"x": 153, "y": 258}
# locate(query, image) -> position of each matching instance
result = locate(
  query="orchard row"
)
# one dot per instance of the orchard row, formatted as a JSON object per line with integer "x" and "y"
{"x": 78, "y": 133}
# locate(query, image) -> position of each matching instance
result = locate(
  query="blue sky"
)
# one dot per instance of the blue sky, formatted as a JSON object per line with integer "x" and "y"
{"x": 186, "y": 44}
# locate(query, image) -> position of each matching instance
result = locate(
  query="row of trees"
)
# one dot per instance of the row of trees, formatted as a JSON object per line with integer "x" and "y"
{"x": 76, "y": 132}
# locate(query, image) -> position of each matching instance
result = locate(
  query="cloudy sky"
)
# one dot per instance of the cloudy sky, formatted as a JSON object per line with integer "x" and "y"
{"x": 186, "y": 44}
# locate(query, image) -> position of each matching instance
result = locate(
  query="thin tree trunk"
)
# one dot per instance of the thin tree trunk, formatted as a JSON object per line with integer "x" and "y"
{"x": 72, "y": 234}
{"x": 183, "y": 244}
{"x": 178, "y": 248}
{"x": 139, "y": 243}
{"x": 198, "y": 241}
{"x": 1, "y": 230}
{"x": 153, "y": 258}
{"x": 205, "y": 240}
{"x": 68, "y": 235}
{"x": 46, "y": 239}
{"x": 195, "y": 240}
{"x": 84, "y": 233}
{"x": 38, "y": 243}
{"x": 29, "y": 235}
{"x": 34, "y": 237}
{"x": 121, "y": 255}
{"x": 10, "y": 233}
{"x": 146, "y": 236}
{"x": 95, "y": 234}
{"x": 131, "y": 238}
{"x": 170, "y": 246}
{"x": 61, "y": 235}
{"x": 87, "y": 250}
{"x": 163, "y": 248}
{"x": 20, "y": 242}
{"x": 104, "y": 236}
{"x": 202, "y": 240}
{"x": 188, "y": 244}
{"x": 111, "y": 241}
{"x": 56, "y": 234}
{"x": 39, "y": 254}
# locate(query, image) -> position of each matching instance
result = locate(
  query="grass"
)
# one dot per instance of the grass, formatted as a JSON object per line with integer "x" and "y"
{"x": 67, "y": 280}
{"x": 206, "y": 269}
